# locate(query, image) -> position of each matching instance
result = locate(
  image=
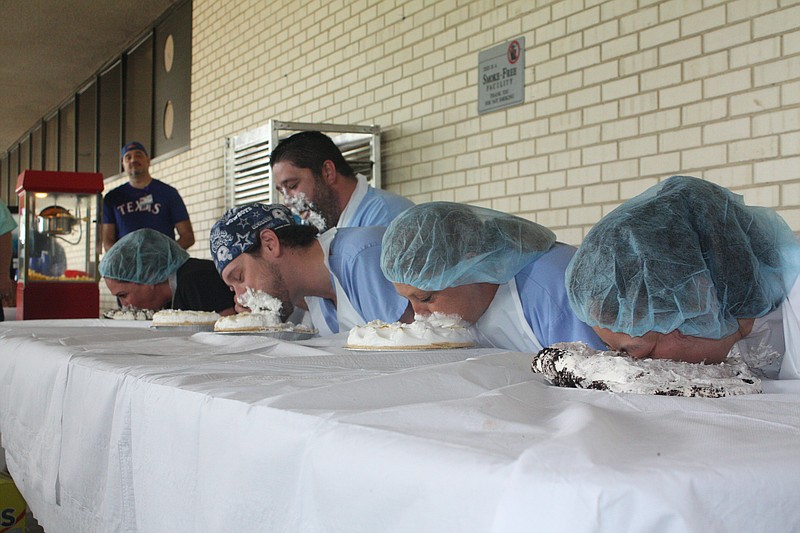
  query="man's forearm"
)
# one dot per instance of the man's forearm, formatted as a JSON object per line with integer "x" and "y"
{"x": 185, "y": 234}
{"x": 185, "y": 241}
{"x": 109, "y": 236}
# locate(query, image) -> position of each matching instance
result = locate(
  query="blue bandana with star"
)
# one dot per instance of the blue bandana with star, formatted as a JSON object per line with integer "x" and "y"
{"x": 239, "y": 229}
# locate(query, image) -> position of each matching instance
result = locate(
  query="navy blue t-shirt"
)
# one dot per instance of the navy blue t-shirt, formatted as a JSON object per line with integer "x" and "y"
{"x": 158, "y": 206}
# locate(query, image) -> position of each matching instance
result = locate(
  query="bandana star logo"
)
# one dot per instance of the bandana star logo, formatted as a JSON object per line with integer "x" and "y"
{"x": 242, "y": 242}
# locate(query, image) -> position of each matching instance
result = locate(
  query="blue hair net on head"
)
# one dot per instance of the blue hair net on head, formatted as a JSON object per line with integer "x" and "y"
{"x": 439, "y": 245}
{"x": 686, "y": 254}
{"x": 144, "y": 256}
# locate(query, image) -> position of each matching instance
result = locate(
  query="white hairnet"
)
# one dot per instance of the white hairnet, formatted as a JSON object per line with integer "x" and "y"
{"x": 686, "y": 254}
{"x": 144, "y": 256}
{"x": 443, "y": 244}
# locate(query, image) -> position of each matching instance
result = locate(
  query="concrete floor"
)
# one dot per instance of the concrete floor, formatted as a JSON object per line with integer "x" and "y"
{"x": 33, "y": 526}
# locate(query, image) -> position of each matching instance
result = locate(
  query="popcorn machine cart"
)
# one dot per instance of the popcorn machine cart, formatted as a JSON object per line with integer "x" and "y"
{"x": 59, "y": 244}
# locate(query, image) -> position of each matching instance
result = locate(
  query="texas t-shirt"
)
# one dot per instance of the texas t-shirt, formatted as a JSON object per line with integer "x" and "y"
{"x": 158, "y": 206}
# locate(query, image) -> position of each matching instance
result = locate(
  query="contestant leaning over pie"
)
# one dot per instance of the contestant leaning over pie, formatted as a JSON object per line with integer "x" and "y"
{"x": 310, "y": 163}
{"x": 148, "y": 270}
{"x": 337, "y": 275}
{"x": 686, "y": 270}
{"x": 500, "y": 272}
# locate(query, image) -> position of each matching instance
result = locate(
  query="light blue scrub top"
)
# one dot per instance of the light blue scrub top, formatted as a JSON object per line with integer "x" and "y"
{"x": 378, "y": 208}
{"x": 354, "y": 260}
{"x": 543, "y": 294}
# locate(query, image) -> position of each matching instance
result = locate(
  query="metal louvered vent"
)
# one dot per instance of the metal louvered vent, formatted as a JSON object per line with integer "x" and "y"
{"x": 247, "y": 173}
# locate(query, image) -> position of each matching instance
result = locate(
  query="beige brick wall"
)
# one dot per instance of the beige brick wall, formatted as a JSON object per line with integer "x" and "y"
{"x": 619, "y": 94}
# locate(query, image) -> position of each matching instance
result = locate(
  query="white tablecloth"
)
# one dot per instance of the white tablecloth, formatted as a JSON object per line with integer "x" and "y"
{"x": 111, "y": 428}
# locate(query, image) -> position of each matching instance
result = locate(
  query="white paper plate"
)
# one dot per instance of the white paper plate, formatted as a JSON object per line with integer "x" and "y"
{"x": 282, "y": 334}
{"x": 408, "y": 349}
{"x": 186, "y": 327}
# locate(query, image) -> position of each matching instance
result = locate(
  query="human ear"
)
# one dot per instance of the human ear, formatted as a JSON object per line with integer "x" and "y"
{"x": 328, "y": 172}
{"x": 269, "y": 242}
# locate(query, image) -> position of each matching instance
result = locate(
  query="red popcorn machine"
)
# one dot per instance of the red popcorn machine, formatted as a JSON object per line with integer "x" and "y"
{"x": 59, "y": 244}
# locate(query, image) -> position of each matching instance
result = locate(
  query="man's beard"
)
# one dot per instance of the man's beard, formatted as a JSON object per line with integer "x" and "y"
{"x": 325, "y": 203}
{"x": 280, "y": 292}
{"x": 322, "y": 212}
{"x": 135, "y": 172}
{"x": 304, "y": 209}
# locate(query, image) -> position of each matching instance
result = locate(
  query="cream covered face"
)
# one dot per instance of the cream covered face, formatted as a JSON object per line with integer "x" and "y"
{"x": 303, "y": 208}
{"x": 260, "y": 302}
{"x": 265, "y": 315}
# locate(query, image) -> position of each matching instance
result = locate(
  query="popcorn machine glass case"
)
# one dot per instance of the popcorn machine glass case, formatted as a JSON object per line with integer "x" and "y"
{"x": 59, "y": 244}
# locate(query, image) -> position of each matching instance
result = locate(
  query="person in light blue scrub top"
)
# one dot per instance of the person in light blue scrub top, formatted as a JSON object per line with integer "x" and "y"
{"x": 309, "y": 166}
{"x": 363, "y": 293}
{"x": 502, "y": 273}
{"x": 336, "y": 276}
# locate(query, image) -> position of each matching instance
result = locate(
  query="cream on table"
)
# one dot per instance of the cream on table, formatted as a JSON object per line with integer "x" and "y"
{"x": 434, "y": 331}
{"x": 111, "y": 428}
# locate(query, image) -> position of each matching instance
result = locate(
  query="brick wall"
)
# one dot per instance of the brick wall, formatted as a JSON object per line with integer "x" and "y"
{"x": 619, "y": 94}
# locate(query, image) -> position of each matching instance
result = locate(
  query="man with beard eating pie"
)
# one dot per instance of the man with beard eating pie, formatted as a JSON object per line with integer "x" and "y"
{"x": 337, "y": 274}
{"x": 314, "y": 177}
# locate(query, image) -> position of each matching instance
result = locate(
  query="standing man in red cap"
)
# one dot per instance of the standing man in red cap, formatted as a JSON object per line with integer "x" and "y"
{"x": 144, "y": 202}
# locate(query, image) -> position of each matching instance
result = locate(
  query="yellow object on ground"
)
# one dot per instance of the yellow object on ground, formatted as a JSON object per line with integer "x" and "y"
{"x": 13, "y": 510}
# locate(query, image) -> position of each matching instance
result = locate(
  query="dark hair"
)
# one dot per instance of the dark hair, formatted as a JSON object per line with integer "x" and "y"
{"x": 295, "y": 236}
{"x": 310, "y": 149}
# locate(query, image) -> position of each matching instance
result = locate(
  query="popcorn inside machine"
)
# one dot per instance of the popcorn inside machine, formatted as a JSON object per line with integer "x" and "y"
{"x": 59, "y": 244}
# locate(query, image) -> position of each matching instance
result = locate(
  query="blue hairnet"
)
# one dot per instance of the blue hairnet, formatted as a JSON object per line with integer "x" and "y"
{"x": 144, "y": 256}
{"x": 686, "y": 254}
{"x": 439, "y": 245}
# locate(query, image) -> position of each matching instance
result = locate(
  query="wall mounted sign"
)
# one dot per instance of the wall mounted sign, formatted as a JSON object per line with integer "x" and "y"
{"x": 501, "y": 76}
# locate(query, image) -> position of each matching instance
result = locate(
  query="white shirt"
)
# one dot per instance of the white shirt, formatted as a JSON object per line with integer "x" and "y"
{"x": 773, "y": 345}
